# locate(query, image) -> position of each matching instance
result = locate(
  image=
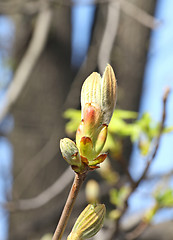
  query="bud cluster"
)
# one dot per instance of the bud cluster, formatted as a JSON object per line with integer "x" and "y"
{"x": 98, "y": 97}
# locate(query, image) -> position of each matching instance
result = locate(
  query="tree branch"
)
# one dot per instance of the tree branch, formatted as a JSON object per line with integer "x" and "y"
{"x": 139, "y": 14}
{"x": 151, "y": 158}
{"x": 149, "y": 161}
{"x": 79, "y": 178}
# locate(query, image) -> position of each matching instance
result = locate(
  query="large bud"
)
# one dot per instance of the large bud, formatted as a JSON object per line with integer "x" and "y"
{"x": 98, "y": 98}
{"x": 89, "y": 222}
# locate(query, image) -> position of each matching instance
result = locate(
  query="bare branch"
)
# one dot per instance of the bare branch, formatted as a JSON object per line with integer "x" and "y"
{"x": 139, "y": 15}
{"x": 151, "y": 158}
{"x": 128, "y": 7}
{"x": 29, "y": 60}
{"x": 159, "y": 176}
{"x": 149, "y": 161}
{"x": 137, "y": 231}
{"x": 110, "y": 32}
{"x": 55, "y": 189}
{"x": 78, "y": 180}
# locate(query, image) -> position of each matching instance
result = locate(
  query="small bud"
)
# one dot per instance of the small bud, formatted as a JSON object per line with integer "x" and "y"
{"x": 92, "y": 191}
{"x": 47, "y": 236}
{"x": 101, "y": 138}
{"x": 70, "y": 152}
{"x": 89, "y": 222}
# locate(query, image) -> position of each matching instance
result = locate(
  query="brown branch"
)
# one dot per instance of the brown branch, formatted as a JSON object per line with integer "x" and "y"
{"x": 79, "y": 178}
{"x": 127, "y": 7}
{"x": 159, "y": 176}
{"x": 139, "y": 14}
{"x": 151, "y": 158}
{"x": 149, "y": 161}
{"x": 137, "y": 231}
{"x": 53, "y": 191}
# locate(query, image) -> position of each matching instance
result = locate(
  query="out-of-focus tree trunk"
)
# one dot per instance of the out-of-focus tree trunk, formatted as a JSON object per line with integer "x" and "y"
{"x": 38, "y": 120}
{"x": 129, "y": 57}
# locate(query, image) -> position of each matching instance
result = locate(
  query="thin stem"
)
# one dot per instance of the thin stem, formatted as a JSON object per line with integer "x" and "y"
{"x": 137, "y": 231}
{"x": 149, "y": 162}
{"x": 78, "y": 180}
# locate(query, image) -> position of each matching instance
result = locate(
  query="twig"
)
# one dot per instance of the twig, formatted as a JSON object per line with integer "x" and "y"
{"x": 149, "y": 161}
{"x": 159, "y": 176}
{"x": 127, "y": 7}
{"x": 29, "y": 60}
{"x": 53, "y": 191}
{"x": 79, "y": 178}
{"x": 139, "y": 14}
{"x": 137, "y": 231}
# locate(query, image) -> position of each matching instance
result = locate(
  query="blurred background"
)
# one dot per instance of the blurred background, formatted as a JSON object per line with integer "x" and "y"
{"x": 47, "y": 49}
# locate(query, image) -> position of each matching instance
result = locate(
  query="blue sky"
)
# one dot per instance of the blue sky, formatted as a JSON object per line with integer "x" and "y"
{"x": 82, "y": 21}
{"x": 158, "y": 75}
{"x": 6, "y": 153}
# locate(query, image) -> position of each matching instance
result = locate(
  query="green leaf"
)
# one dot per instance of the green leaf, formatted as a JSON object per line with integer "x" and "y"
{"x": 144, "y": 146}
{"x": 168, "y": 129}
{"x": 75, "y": 117}
{"x": 114, "y": 196}
{"x": 117, "y": 197}
{"x": 150, "y": 213}
{"x": 117, "y": 125}
{"x": 124, "y": 114}
{"x": 72, "y": 113}
{"x": 115, "y": 214}
{"x": 165, "y": 198}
